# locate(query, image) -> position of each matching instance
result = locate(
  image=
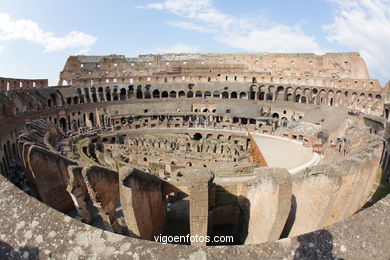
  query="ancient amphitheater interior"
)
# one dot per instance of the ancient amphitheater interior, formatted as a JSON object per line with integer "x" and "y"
{"x": 286, "y": 153}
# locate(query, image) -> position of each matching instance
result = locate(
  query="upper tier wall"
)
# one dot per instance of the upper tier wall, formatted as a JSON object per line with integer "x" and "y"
{"x": 14, "y": 84}
{"x": 238, "y": 67}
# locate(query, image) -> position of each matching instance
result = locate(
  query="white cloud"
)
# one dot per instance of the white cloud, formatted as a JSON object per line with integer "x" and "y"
{"x": 364, "y": 25}
{"x": 241, "y": 32}
{"x": 176, "y": 48}
{"x": 189, "y": 26}
{"x": 23, "y": 29}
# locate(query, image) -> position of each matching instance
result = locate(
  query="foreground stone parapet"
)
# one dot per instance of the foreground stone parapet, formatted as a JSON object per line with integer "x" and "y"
{"x": 313, "y": 194}
{"x": 72, "y": 239}
{"x": 50, "y": 175}
{"x": 266, "y": 201}
{"x": 143, "y": 201}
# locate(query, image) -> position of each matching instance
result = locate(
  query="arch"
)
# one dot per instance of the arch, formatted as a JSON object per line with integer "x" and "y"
{"x": 164, "y": 94}
{"x": 275, "y": 115}
{"x": 198, "y": 94}
{"x": 197, "y": 136}
{"x": 75, "y": 100}
{"x": 63, "y": 123}
{"x": 115, "y": 95}
{"x": 122, "y": 94}
{"x": 269, "y": 96}
{"x": 156, "y": 93}
{"x": 92, "y": 118}
{"x": 147, "y": 94}
{"x": 100, "y": 93}
{"x": 216, "y": 94}
{"x": 182, "y": 94}
{"x": 220, "y": 136}
{"x": 139, "y": 94}
{"x": 207, "y": 94}
{"x": 49, "y": 103}
{"x": 225, "y": 94}
{"x": 69, "y": 101}
{"x": 108, "y": 94}
{"x": 242, "y": 95}
{"x": 130, "y": 92}
{"x": 172, "y": 94}
{"x": 279, "y": 93}
{"x": 190, "y": 94}
{"x": 233, "y": 95}
{"x": 94, "y": 95}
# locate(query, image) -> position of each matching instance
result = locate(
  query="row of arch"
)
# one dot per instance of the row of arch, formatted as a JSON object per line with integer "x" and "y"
{"x": 331, "y": 97}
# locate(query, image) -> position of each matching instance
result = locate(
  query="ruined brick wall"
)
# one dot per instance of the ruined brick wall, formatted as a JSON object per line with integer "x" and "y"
{"x": 8, "y": 84}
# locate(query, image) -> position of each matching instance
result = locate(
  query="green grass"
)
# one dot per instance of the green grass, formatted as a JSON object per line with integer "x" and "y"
{"x": 85, "y": 156}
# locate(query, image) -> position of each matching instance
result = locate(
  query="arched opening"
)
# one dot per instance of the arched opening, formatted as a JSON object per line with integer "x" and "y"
{"x": 198, "y": 93}
{"x": 172, "y": 94}
{"x": 69, "y": 101}
{"x": 139, "y": 93}
{"x": 115, "y": 96}
{"x": 49, "y": 103}
{"x": 190, "y": 94}
{"x": 147, "y": 94}
{"x": 225, "y": 94}
{"x": 100, "y": 93}
{"x": 75, "y": 100}
{"x": 94, "y": 95}
{"x": 216, "y": 94}
{"x": 197, "y": 136}
{"x": 164, "y": 94}
{"x": 207, "y": 94}
{"x": 242, "y": 95}
{"x": 182, "y": 94}
{"x": 279, "y": 93}
{"x": 63, "y": 124}
{"x": 130, "y": 92}
{"x": 233, "y": 94}
{"x": 92, "y": 118}
{"x": 262, "y": 95}
{"x": 108, "y": 94}
{"x": 156, "y": 93}
{"x": 275, "y": 115}
{"x": 122, "y": 94}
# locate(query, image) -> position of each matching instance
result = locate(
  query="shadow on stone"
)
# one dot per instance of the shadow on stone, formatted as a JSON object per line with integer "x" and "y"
{"x": 228, "y": 216}
{"x": 7, "y": 252}
{"x": 291, "y": 218}
{"x": 315, "y": 245}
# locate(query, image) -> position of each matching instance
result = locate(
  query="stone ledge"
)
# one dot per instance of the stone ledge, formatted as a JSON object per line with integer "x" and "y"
{"x": 30, "y": 229}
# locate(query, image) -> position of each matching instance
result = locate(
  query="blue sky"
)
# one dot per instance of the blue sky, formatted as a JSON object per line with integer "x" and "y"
{"x": 36, "y": 37}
